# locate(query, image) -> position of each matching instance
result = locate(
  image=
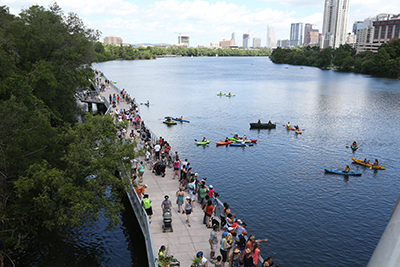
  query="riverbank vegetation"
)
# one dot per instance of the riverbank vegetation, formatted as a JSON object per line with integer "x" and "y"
{"x": 55, "y": 172}
{"x": 386, "y": 62}
{"x": 113, "y": 52}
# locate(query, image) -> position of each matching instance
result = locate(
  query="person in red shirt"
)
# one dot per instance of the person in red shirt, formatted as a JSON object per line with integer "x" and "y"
{"x": 209, "y": 211}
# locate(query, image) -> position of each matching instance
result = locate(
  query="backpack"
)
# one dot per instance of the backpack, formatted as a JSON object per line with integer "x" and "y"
{"x": 242, "y": 241}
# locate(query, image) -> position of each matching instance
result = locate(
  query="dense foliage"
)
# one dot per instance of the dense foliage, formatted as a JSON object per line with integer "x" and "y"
{"x": 386, "y": 62}
{"x": 112, "y": 52}
{"x": 54, "y": 172}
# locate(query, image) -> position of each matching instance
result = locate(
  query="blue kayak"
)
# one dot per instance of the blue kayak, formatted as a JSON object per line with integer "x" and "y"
{"x": 178, "y": 119}
{"x": 343, "y": 173}
{"x": 240, "y": 144}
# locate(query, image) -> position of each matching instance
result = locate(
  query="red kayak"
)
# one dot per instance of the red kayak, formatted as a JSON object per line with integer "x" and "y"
{"x": 223, "y": 143}
{"x": 290, "y": 128}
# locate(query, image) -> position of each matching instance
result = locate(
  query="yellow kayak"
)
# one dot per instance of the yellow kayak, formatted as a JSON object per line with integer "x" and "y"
{"x": 370, "y": 165}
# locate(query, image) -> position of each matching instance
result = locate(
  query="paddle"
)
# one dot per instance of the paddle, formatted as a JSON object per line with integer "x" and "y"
{"x": 195, "y": 140}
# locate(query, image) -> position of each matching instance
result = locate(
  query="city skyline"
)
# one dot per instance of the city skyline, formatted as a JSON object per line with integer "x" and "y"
{"x": 203, "y": 21}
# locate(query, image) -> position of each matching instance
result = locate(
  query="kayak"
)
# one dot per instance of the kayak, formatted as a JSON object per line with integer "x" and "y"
{"x": 221, "y": 94}
{"x": 229, "y": 95}
{"x": 370, "y": 165}
{"x": 343, "y": 173}
{"x": 354, "y": 148}
{"x": 293, "y": 129}
{"x": 262, "y": 126}
{"x": 298, "y": 131}
{"x": 169, "y": 122}
{"x": 223, "y": 143}
{"x": 181, "y": 120}
{"x": 240, "y": 144}
{"x": 203, "y": 143}
{"x": 240, "y": 140}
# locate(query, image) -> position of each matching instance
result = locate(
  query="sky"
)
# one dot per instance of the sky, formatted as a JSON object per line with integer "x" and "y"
{"x": 204, "y": 21}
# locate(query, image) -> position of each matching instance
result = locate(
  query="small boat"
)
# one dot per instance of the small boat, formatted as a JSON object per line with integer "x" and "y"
{"x": 262, "y": 126}
{"x": 289, "y": 128}
{"x": 350, "y": 173}
{"x": 298, "y": 131}
{"x": 354, "y": 148}
{"x": 220, "y": 94}
{"x": 229, "y": 95}
{"x": 367, "y": 164}
{"x": 203, "y": 142}
{"x": 240, "y": 140}
{"x": 223, "y": 143}
{"x": 179, "y": 119}
{"x": 169, "y": 121}
{"x": 240, "y": 144}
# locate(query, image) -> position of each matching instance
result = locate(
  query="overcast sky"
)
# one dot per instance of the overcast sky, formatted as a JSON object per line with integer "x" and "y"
{"x": 205, "y": 21}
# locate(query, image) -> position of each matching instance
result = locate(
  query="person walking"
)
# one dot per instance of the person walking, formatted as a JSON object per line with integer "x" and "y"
{"x": 213, "y": 241}
{"x": 141, "y": 171}
{"x": 188, "y": 209}
{"x": 146, "y": 204}
{"x": 166, "y": 204}
{"x": 179, "y": 199}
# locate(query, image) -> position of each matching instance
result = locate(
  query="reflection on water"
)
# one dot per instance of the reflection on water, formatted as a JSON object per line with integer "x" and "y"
{"x": 90, "y": 245}
{"x": 278, "y": 186}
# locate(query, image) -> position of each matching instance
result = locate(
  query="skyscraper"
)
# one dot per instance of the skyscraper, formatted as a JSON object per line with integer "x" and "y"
{"x": 334, "y": 27}
{"x": 257, "y": 42}
{"x": 297, "y": 34}
{"x": 271, "y": 36}
{"x": 234, "y": 38}
{"x": 246, "y": 41}
{"x": 311, "y": 34}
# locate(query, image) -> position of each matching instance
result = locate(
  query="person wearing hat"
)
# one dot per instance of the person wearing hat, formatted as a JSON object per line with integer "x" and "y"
{"x": 213, "y": 241}
{"x": 204, "y": 261}
{"x": 248, "y": 258}
{"x": 234, "y": 260}
{"x": 166, "y": 204}
{"x": 240, "y": 229}
{"x": 211, "y": 192}
{"x": 146, "y": 204}
{"x": 224, "y": 248}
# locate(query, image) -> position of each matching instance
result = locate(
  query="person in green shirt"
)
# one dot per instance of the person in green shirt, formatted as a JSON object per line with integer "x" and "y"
{"x": 146, "y": 204}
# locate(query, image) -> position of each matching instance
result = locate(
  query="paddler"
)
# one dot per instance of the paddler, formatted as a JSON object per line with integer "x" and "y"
{"x": 347, "y": 169}
{"x": 269, "y": 122}
{"x": 376, "y": 163}
{"x": 259, "y": 122}
{"x": 229, "y": 93}
{"x": 147, "y": 103}
{"x": 297, "y": 127}
{"x": 354, "y": 144}
{"x": 236, "y": 136}
{"x": 366, "y": 161}
{"x": 181, "y": 118}
{"x": 204, "y": 139}
{"x": 244, "y": 137}
{"x": 288, "y": 125}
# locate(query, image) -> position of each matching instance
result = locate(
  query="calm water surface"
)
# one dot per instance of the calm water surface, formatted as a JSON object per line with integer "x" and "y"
{"x": 278, "y": 186}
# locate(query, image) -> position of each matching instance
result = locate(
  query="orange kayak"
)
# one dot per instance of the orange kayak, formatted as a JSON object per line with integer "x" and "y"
{"x": 223, "y": 143}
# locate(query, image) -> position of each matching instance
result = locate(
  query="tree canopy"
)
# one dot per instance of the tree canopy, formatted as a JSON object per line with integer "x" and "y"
{"x": 386, "y": 62}
{"x": 55, "y": 172}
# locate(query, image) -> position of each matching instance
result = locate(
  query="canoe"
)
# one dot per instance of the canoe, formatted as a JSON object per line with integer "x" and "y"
{"x": 223, "y": 143}
{"x": 343, "y": 173}
{"x": 240, "y": 144}
{"x": 169, "y": 122}
{"x": 370, "y": 165}
{"x": 203, "y": 143}
{"x": 239, "y": 140}
{"x": 262, "y": 126}
{"x": 181, "y": 120}
{"x": 354, "y": 148}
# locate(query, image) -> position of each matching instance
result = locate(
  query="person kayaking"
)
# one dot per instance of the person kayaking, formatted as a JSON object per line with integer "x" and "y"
{"x": 269, "y": 122}
{"x": 236, "y": 136}
{"x": 297, "y": 127}
{"x": 147, "y": 103}
{"x": 347, "y": 169}
{"x": 181, "y": 118}
{"x": 226, "y": 139}
{"x": 244, "y": 137}
{"x": 376, "y": 163}
{"x": 354, "y": 144}
{"x": 204, "y": 139}
{"x": 220, "y": 92}
{"x": 229, "y": 93}
{"x": 366, "y": 161}
{"x": 288, "y": 125}
{"x": 259, "y": 122}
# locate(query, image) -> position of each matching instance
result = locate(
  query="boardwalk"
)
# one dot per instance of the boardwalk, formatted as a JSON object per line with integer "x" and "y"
{"x": 184, "y": 242}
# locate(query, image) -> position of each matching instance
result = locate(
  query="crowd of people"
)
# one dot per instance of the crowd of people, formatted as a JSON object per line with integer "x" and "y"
{"x": 235, "y": 249}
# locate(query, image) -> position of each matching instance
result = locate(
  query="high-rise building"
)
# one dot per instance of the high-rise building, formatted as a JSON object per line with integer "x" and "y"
{"x": 183, "y": 40}
{"x": 297, "y": 34}
{"x": 271, "y": 36}
{"x": 334, "y": 27}
{"x": 257, "y": 42}
{"x": 357, "y": 25}
{"x": 311, "y": 34}
{"x": 234, "y": 38}
{"x": 246, "y": 40}
{"x": 283, "y": 43}
{"x": 115, "y": 40}
{"x": 226, "y": 43}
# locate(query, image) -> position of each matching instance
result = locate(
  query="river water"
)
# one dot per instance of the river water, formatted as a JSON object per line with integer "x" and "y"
{"x": 278, "y": 187}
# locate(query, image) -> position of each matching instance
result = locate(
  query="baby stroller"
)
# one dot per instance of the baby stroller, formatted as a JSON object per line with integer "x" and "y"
{"x": 167, "y": 220}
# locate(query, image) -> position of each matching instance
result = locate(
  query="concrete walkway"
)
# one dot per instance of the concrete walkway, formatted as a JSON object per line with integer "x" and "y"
{"x": 184, "y": 242}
